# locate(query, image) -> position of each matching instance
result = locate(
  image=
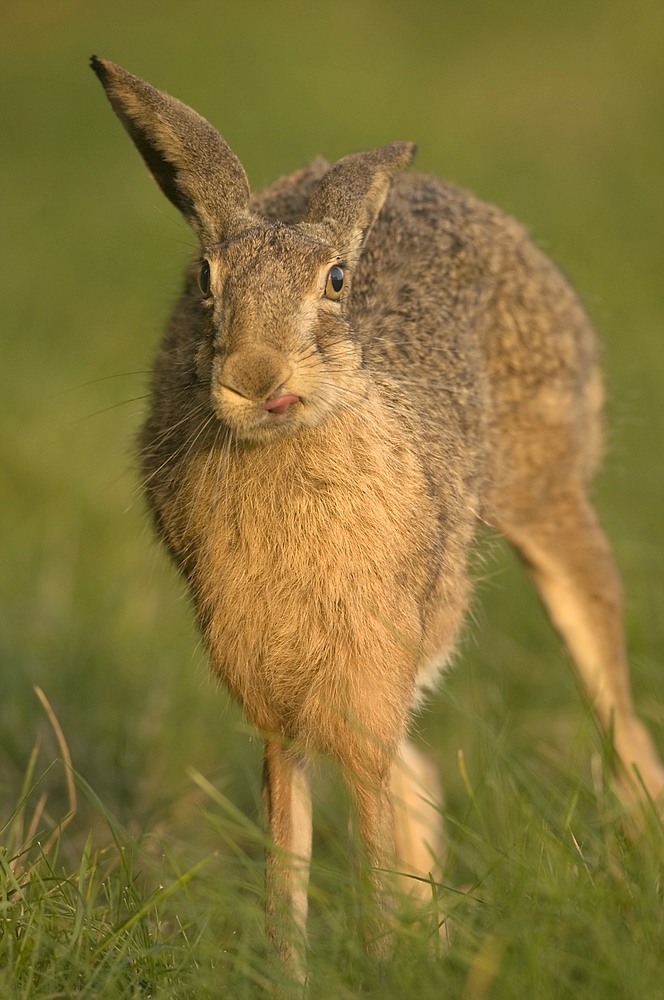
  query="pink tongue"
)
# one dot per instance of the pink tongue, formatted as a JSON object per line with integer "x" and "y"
{"x": 280, "y": 403}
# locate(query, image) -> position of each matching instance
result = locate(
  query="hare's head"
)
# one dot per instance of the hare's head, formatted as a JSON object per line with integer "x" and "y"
{"x": 275, "y": 345}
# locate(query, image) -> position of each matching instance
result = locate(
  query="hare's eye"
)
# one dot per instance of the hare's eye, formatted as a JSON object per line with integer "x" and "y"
{"x": 204, "y": 278}
{"x": 334, "y": 284}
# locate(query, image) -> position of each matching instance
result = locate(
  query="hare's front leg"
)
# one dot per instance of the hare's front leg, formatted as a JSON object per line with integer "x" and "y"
{"x": 369, "y": 787}
{"x": 572, "y": 566}
{"x": 287, "y": 805}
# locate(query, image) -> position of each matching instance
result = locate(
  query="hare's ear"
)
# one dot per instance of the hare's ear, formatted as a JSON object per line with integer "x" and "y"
{"x": 352, "y": 192}
{"x": 189, "y": 160}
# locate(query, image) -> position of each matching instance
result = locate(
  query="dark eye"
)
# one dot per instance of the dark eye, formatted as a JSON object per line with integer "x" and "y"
{"x": 204, "y": 278}
{"x": 335, "y": 282}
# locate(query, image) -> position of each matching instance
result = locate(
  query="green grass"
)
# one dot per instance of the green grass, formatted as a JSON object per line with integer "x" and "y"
{"x": 552, "y": 111}
{"x": 558, "y": 901}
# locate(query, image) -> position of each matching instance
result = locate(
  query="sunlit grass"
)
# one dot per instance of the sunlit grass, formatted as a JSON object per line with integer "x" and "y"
{"x": 550, "y": 889}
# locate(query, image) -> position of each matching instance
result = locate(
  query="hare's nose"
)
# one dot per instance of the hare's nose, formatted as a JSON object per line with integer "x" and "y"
{"x": 255, "y": 371}
{"x": 279, "y": 404}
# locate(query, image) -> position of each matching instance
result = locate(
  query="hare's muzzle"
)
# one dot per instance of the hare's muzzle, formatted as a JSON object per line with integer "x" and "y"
{"x": 256, "y": 418}
{"x": 279, "y": 404}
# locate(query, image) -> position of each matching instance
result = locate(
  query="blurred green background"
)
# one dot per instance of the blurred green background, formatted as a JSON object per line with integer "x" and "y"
{"x": 553, "y": 111}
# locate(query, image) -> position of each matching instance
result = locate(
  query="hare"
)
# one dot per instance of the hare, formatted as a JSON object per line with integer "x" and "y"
{"x": 363, "y": 366}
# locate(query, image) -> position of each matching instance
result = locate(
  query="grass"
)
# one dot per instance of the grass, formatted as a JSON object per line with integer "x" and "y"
{"x": 558, "y": 900}
{"x": 552, "y": 111}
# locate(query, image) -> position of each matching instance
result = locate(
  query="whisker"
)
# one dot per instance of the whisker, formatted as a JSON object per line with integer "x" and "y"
{"x": 113, "y": 406}
{"x": 104, "y": 378}
{"x": 174, "y": 454}
{"x": 193, "y": 506}
{"x": 164, "y": 436}
{"x": 176, "y": 222}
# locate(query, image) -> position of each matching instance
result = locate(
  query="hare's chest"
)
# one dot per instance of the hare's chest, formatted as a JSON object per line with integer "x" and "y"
{"x": 301, "y": 555}
{"x": 299, "y": 585}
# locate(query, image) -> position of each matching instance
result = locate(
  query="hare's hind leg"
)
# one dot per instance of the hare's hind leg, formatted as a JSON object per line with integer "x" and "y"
{"x": 570, "y": 561}
{"x": 418, "y": 822}
{"x": 287, "y": 806}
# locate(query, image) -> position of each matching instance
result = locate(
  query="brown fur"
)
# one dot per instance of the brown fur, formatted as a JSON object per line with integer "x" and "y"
{"x": 326, "y": 548}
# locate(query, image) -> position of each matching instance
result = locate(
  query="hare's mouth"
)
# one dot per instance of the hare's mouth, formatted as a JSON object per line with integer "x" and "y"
{"x": 252, "y": 418}
{"x": 280, "y": 404}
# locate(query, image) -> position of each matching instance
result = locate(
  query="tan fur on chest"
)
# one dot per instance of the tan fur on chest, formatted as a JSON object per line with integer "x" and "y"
{"x": 307, "y": 568}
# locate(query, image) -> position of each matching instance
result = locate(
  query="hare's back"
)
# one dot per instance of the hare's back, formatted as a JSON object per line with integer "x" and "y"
{"x": 453, "y": 298}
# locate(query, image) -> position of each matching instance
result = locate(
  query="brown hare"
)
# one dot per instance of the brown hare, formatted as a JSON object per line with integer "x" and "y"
{"x": 363, "y": 366}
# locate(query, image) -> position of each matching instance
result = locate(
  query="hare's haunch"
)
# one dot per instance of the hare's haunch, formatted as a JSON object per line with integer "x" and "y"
{"x": 363, "y": 365}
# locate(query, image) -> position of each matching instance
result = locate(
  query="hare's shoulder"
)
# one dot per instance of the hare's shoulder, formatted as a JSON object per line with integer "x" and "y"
{"x": 418, "y": 206}
{"x": 427, "y": 263}
{"x": 424, "y": 195}
{"x": 426, "y": 216}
